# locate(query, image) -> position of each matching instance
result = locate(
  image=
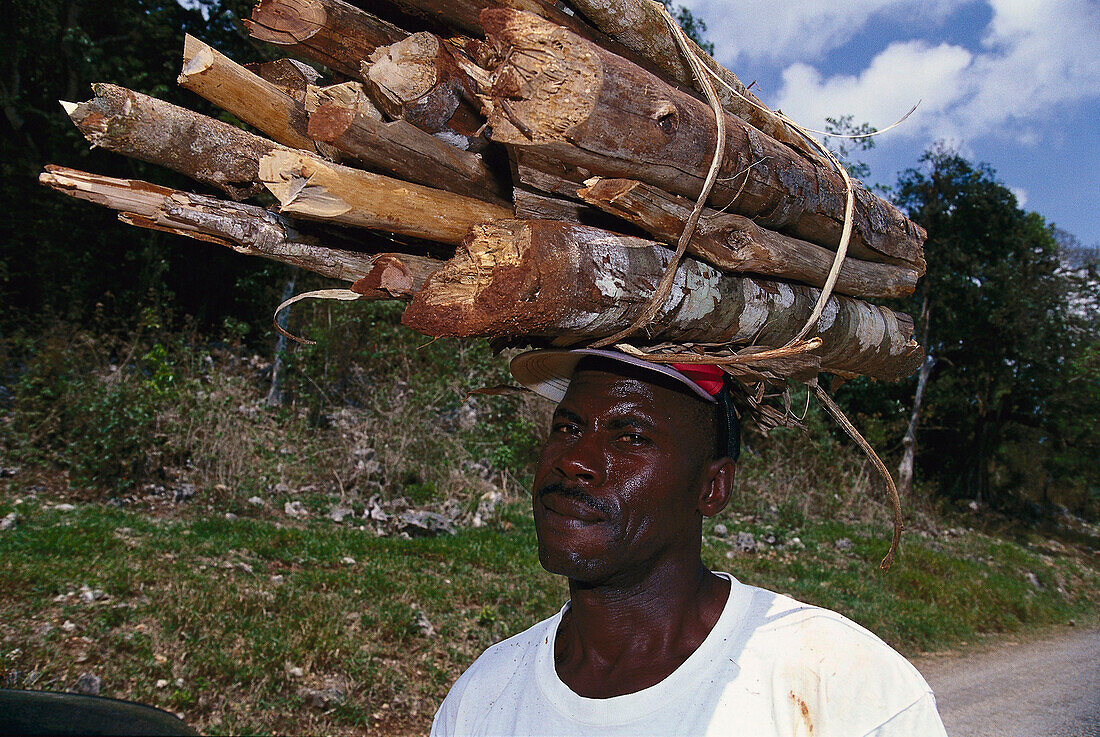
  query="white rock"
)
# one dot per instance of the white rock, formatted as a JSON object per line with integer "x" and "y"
{"x": 347, "y": 560}
{"x": 255, "y": 501}
{"x": 161, "y": 683}
{"x": 68, "y": 626}
{"x": 65, "y": 507}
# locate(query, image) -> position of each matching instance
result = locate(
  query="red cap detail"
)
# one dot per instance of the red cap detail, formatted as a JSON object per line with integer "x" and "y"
{"x": 709, "y": 378}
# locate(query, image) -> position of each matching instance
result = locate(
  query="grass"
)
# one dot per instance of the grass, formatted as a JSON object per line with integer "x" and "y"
{"x": 197, "y": 604}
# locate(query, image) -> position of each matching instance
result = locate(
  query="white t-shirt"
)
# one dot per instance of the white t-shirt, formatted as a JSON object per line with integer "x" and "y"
{"x": 770, "y": 666}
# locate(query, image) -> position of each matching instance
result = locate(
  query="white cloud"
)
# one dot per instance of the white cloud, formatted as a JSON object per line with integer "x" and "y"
{"x": 1021, "y": 196}
{"x": 801, "y": 30}
{"x": 1035, "y": 56}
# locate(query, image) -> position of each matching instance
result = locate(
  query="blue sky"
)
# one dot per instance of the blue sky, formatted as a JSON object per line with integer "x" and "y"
{"x": 1012, "y": 83}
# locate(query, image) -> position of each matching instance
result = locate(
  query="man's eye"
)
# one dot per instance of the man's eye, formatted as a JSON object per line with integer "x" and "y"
{"x": 566, "y": 428}
{"x": 634, "y": 438}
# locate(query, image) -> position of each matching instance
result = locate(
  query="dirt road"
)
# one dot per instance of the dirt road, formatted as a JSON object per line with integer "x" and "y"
{"x": 1042, "y": 688}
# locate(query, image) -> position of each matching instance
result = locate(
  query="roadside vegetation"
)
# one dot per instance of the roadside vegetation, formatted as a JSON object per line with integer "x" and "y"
{"x": 248, "y": 566}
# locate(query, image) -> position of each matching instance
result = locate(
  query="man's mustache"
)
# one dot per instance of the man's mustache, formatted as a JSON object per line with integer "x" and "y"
{"x": 599, "y": 505}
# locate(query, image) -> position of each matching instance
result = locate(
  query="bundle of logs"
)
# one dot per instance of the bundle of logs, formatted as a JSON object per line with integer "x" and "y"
{"x": 521, "y": 172}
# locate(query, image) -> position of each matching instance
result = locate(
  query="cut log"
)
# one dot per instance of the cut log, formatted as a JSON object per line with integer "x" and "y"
{"x": 329, "y": 32}
{"x": 246, "y": 229}
{"x": 465, "y": 16}
{"x": 290, "y": 75}
{"x": 735, "y": 243}
{"x": 640, "y": 26}
{"x": 418, "y": 80}
{"x": 143, "y": 127}
{"x": 570, "y": 100}
{"x": 407, "y": 152}
{"x": 568, "y": 284}
{"x": 248, "y": 96}
{"x": 310, "y": 188}
{"x": 348, "y": 95}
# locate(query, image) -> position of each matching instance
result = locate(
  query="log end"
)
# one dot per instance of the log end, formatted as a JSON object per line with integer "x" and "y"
{"x": 286, "y": 22}
{"x": 328, "y": 122}
{"x": 197, "y": 58}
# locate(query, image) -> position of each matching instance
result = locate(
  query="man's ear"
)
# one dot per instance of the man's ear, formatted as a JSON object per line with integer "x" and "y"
{"x": 718, "y": 486}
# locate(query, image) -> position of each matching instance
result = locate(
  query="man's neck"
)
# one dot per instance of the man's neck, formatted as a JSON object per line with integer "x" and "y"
{"x": 620, "y": 639}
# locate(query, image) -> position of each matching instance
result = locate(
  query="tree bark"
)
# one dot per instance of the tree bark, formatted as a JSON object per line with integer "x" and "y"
{"x": 569, "y": 284}
{"x": 313, "y": 189}
{"x": 290, "y": 75}
{"x": 909, "y": 442}
{"x": 735, "y": 243}
{"x": 418, "y": 80}
{"x": 275, "y": 395}
{"x": 640, "y": 26}
{"x": 245, "y": 228}
{"x": 145, "y": 128}
{"x": 568, "y": 99}
{"x": 248, "y": 96}
{"x": 406, "y": 152}
{"x": 329, "y": 32}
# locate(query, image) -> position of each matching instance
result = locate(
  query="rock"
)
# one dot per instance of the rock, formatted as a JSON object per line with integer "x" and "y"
{"x": 178, "y": 683}
{"x": 244, "y": 567}
{"x": 348, "y": 560}
{"x": 720, "y": 530}
{"x": 9, "y": 521}
{"x": 463, "y": 417}
{"x": 973, "y": 506}
{"x": 68, "y": 626}
{"x": 256, "y": 501}
{"x": 162, "y": 683}
{"x": 770, "y": 539}
{"x": 230, "y": 516}
{"x": 87, "y": 685}
{"x": 323, "y": 698}
{"x": 89, "y": 594}
{"x": 486, "y": 507}
{"x": 277, "y": 579}
{"x": 843, "y": 544}
{"x": 8, "y": 471}
{"x": 296, "y": 510}
{"x": 423, "y": 624}
{"x": 795, "y": 543}
{"x": 293, "y": 671}
{"x": 280, "y": 488}
{"x": 1032, "y": 579}
{"x": 65, "y": 507}
{"x": 745, "y": 542}
{"x": 183, "y": 493}
{"x": 374, "y": 511}
{"x": 339, "y": 513}
{"x": 416, "y": 523}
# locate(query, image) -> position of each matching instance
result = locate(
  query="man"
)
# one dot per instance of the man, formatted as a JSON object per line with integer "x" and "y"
{"x": 651, "y": 642}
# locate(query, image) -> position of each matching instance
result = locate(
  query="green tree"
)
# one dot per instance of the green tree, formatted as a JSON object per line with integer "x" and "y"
{"x": 693, "y": 26}
{"x": 996, "y": 309}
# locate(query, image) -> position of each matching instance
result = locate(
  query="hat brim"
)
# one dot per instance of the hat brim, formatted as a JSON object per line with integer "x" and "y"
{"x": 548, "y": 372}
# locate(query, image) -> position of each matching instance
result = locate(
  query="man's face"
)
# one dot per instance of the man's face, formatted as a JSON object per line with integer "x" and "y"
{"x": 617, "y": 488}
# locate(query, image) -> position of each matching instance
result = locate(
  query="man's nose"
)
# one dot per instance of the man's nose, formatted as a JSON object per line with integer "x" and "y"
{"x": 583, "y": 460}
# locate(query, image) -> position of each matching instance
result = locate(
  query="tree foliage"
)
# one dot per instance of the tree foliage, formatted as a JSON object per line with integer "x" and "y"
{"x": 1014, "y": 356}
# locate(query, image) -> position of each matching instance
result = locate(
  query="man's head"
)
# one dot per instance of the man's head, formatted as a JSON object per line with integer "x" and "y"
{"x": 632, "y": 465}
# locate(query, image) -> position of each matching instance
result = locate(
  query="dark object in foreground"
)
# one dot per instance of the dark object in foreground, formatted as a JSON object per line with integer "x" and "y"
{"x": 45, "y": 712}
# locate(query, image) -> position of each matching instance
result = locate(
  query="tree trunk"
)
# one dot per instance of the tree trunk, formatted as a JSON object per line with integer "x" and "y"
{"x": 909, "y": 442}
{"x": 274, "y": 396}
{"x": 313, "y": 189}
{"x": 566, "y": 98}
{"x": 245, "y": 228}
{"x": 145, "y": 128}
{"x": 640, "y": 26}
{"x": 736, "y": 243}
{"x": 570, "y": 283}
{"x": 329, "y": 32}
{"x": 406, "y": 152}
{"x": 248, "y": 96}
